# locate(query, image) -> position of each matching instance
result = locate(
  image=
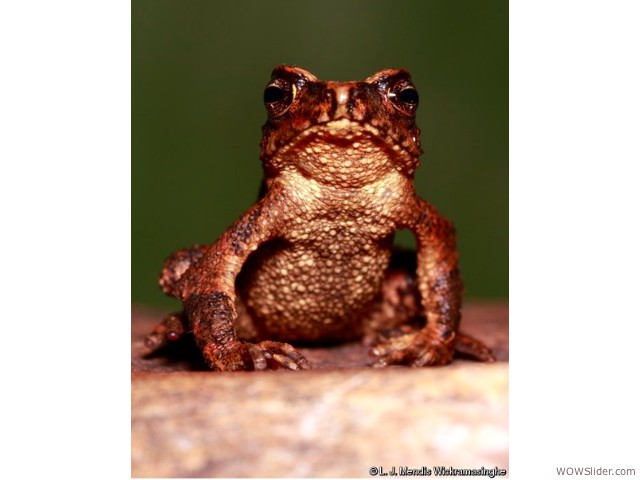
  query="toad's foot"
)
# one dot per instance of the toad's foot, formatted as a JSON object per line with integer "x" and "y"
{"x": 416, "y": 348}
{"x": 474, "y": 348}
{"x": 255, "y": 356}
{"x": 170, "y": 330}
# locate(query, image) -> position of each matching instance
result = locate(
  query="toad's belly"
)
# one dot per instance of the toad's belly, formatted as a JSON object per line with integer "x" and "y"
{"x": 304, "y": 293}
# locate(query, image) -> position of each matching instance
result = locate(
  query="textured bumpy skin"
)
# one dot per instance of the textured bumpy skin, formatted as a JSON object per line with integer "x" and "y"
{"x": 313, "y": 260}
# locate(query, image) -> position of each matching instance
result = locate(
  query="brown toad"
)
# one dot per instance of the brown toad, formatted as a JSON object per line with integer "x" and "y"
{"x": 313, "y": 260}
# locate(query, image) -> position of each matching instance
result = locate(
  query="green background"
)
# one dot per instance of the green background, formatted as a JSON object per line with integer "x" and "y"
{"x": 198, "y": 72}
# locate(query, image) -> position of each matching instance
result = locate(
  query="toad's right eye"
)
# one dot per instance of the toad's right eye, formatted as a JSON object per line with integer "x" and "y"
{"x": 278, "y": 97}
{"x": 273, "y": 94}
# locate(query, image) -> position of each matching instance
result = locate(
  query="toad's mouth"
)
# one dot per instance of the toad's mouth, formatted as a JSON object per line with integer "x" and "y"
{"x": 347, "y": 136}
{"x": 339, "y": 131}
{"x": 344, "y": 152}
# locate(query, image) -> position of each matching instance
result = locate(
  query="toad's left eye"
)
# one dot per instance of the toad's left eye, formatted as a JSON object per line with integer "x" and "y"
{"x": 404, "y": 98}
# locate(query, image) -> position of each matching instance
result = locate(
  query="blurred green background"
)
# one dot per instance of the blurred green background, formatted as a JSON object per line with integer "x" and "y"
{"x": 198, "y": 72}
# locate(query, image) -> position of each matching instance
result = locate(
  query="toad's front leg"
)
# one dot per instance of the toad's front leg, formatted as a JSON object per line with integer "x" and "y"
{"x": 212, "y": 316}
{"x": 207, "y": 290}
{"x": 440, "y": 289}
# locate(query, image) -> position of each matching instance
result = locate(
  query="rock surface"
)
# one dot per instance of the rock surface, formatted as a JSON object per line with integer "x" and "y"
{"x": 339, "y": 420}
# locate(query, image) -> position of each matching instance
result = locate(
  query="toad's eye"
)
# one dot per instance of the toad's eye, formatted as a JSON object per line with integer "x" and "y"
{"x": 273, "y": 94}
{"x": 404, "y": 98}
{"x": 278, "y": 97}
{"x": 408, "y": 95}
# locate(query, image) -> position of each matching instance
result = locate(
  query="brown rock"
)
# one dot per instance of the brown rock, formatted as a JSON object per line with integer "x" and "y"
{"x": 337, "y": 420}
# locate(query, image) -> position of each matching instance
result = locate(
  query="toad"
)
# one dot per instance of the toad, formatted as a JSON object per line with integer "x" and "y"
{"x": 313, "y": 260}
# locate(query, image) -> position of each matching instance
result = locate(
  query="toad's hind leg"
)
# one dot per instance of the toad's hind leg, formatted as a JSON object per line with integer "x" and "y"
{"x": 176, "y": 266}
{"x": 398, "y": 303}
{"x": 474, "y": 348}
{"x": 397, "y": 315}
{"x": 169, "y": 330}
{"x": 174, "y": 326}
